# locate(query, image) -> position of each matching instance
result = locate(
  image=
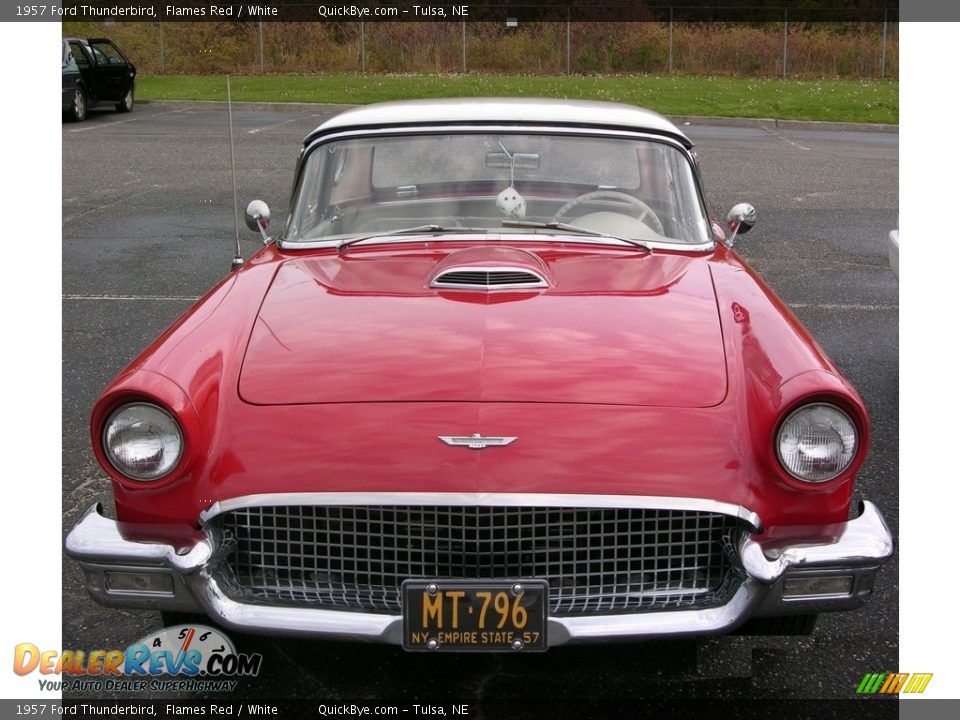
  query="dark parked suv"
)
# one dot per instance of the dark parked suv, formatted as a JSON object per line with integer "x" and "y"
{"x": 95, "y": 71}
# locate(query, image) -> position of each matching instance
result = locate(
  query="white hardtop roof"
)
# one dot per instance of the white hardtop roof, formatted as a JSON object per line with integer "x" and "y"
{"x": 537, "y": 111}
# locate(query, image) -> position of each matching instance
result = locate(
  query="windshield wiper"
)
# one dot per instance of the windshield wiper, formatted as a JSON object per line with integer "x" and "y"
{"x": 409, "y": 231}
{"x": 566, "y": 227}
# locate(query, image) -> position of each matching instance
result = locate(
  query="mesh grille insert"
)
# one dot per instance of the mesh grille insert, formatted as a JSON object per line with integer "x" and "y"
{"x": 597, "y": 561}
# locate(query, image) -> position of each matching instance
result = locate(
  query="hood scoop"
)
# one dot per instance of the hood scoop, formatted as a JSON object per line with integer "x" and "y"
{"x": 490, "y": 268}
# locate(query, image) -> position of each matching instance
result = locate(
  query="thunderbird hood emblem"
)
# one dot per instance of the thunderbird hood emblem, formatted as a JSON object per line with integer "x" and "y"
{"x": 476, "y": 441}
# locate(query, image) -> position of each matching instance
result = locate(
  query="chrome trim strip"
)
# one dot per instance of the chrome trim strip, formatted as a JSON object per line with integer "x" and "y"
{"x": 332, "y": 624}
{"x": 388, "y": 628}
{"x": 487, "y": 129}
{"x": 674, "y": 623}
{"x": 652, "y": 502}
{"x": 475, "y": 441}
{"x": 539, "y": 236}
{"x": 486, "y": 288}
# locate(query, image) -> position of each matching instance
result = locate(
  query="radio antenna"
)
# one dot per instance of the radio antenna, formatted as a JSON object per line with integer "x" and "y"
{"x": 237, "y": 262}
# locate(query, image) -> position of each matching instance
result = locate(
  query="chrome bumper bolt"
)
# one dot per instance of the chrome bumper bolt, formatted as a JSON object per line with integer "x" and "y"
{"x": 432, "y": 644}
{"x": 517, "y": 645}
{"x": 432, "y": 589}
{"x": 517, "y": 589}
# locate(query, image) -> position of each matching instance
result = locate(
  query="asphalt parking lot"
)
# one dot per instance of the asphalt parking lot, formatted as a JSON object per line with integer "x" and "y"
{"x": 148, "y": 226}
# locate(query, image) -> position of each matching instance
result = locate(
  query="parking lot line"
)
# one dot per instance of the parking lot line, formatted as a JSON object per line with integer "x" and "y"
{"x": 97, "y": 127}
{"x": 785, "y": 139}
{"x": 141, "y": 116}
{"x": 278, "y": 124}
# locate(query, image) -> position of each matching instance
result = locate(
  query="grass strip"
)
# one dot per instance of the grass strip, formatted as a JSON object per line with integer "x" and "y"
{"x": 867, "y": 101}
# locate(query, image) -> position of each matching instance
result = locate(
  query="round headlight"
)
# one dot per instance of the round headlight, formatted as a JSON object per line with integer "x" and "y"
{"x": 816, "y": 443}
{"x": 142, "y": 441}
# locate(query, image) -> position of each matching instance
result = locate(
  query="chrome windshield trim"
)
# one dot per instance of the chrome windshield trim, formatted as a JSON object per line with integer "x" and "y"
{"x": 652, "y": 502}
{"x": 388, "y": 238}
{"x": 313, "y": 141}
{"x": 496, "y": 236}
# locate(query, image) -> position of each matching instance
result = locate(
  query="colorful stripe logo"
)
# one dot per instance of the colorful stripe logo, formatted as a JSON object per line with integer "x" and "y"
{"x": 893, "y": 683}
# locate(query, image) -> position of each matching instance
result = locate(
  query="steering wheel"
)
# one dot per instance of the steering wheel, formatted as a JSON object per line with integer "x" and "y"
{"x": 647, "y": 215}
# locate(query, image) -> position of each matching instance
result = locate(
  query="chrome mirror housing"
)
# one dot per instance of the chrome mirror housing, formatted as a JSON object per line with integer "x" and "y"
{"x": 257, "y": 216}
{"x": 740, "y": 219}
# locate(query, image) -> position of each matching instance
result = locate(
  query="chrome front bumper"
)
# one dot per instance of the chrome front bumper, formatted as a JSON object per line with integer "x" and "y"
{"x": 186, "y": 581}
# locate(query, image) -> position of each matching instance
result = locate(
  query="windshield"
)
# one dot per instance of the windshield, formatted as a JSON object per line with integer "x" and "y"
{"x": 625, "y": 187}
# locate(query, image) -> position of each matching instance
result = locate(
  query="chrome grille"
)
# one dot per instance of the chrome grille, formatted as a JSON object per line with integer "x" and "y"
{"x": 597, "y": 561}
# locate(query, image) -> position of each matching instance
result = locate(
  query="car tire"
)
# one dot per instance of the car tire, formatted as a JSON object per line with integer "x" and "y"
{"x": 78, "y": 108}
{"x": 126, "y": 104}
{"x": 783, "y": 625}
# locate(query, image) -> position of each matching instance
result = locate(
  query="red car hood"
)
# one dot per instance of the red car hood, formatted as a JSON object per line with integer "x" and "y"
{"x": 614, "y": 327}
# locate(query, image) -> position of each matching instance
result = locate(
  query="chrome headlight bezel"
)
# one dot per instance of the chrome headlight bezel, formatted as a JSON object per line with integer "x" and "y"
{"x": 837, "y": 421}
{"x": 170, "y": 454}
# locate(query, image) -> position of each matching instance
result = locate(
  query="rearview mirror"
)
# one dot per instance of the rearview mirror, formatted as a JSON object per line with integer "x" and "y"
{"x": 527, "y": 161}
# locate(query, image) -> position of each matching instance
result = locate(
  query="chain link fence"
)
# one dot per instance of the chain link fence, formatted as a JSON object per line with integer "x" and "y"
{"x": 772, "y": 49}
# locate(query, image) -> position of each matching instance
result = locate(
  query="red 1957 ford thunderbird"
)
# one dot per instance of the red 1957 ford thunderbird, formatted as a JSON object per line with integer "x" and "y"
{"x": 498, "y": 384}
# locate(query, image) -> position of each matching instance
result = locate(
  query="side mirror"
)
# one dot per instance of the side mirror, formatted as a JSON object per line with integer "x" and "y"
{"x": 740, "y": 219}
{"x": 257, "y": 216}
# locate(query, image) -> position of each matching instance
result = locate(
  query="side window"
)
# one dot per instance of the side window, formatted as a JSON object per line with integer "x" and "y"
{"x": 106, "y": 54}
{"x": 351, "y": 174}
{"x": 79, "y": 56}
{"x": 67, "y": 60}
{"x": 654, "y": 176}
{"x": 98, "y": 57}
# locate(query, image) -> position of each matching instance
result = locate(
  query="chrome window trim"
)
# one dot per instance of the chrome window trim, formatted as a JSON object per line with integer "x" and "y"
{"x": 484, "y": 128}
{"x": 539, "y": 236}
{"x": 651, "y": 502}
{"x": 516, "y": 129}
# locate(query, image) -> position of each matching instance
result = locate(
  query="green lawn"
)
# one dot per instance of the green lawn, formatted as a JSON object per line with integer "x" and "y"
{"x": 875, "y": 101}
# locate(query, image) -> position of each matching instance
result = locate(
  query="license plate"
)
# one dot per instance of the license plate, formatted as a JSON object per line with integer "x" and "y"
{"x": 475, "y": 616}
